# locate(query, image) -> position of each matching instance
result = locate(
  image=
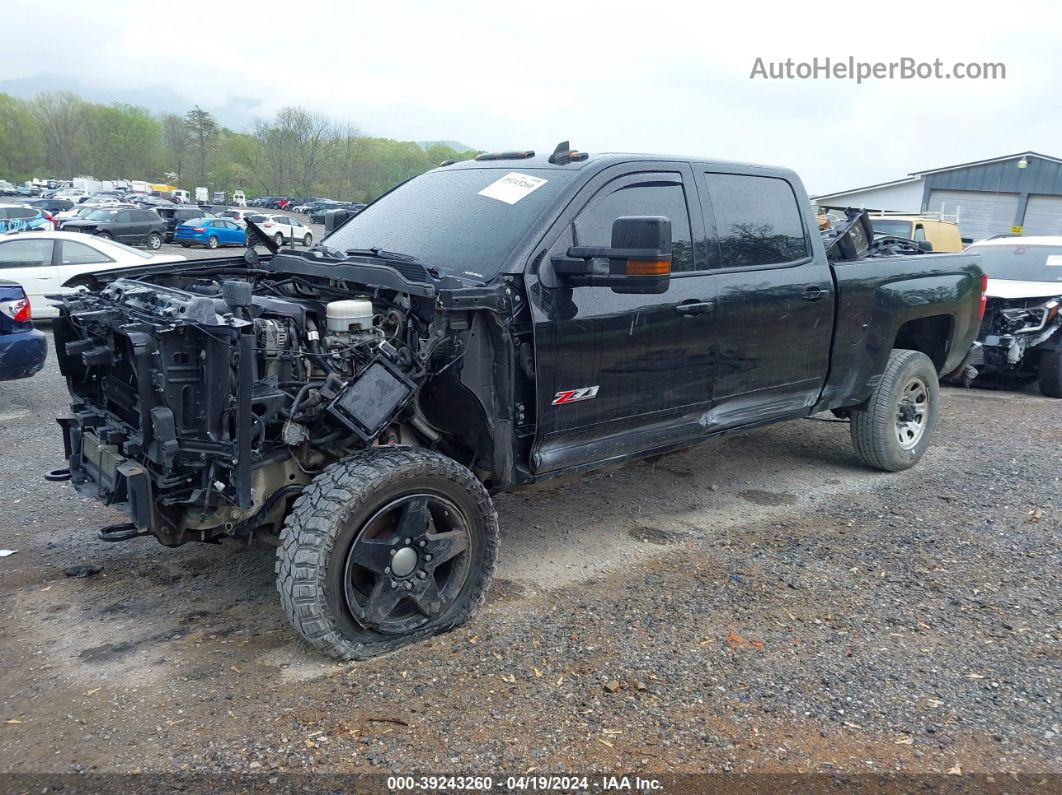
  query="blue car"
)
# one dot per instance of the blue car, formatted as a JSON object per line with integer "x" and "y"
{"x": 23, "y": 348}
{"x": 19, "y": 218}
{"x": 210, "y": 232}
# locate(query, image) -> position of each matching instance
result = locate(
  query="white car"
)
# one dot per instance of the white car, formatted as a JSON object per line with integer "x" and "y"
{"x": 283, "y": 228}
{"x": 43, "y": 261}
{"x": 238, "y": 214}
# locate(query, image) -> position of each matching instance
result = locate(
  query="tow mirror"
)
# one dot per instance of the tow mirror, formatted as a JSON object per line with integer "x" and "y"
{"x": 639, "y": 259}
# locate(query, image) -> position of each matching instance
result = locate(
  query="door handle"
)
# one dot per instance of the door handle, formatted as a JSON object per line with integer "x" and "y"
{"x": 812, "y": 293}
{"x": 693, "y": 308}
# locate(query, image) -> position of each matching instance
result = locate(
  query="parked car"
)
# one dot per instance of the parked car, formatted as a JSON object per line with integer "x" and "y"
{"x": 27, "y": 190}
{"x": 579, "y": 313}
{"x": 941, "y": 234}
{"x": 210, "y": 232}
{"x": 7, "y": 188}
{"x": 178, "y": 215}
{"x": 136, "y": 227}
{"x": 1021, "y": 334}
{"x": 23, "y": 349}
{"x": 51, "y": 206}
{"x": 239, "y": 215}
{"x": 42, "y": 261}
{"x": 318, "y": 212}
{"x": 20, "y": 218}
{"x": 284, "y": 228}
{"x": 83, "y": 211}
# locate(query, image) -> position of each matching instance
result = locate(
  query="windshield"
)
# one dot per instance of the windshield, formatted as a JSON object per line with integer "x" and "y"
{"x": 101, "y": 215}
{"x": 1021, "y": 263}
{"x": 444, "y": 219}
{"x": 886, "y": 227}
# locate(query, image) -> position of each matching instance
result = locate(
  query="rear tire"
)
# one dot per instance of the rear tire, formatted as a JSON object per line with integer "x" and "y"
{"x": 1051, "y": 373}
{"x": 186, "y": 245}
{"x": 895, "y": 429}
{"x": 154, "y": 241}
{"x": 307, "y": 241}
{"x": 382, "y": 509}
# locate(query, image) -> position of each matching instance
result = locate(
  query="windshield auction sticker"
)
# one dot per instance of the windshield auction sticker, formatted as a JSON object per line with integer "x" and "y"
{"x": 512, "y": 187}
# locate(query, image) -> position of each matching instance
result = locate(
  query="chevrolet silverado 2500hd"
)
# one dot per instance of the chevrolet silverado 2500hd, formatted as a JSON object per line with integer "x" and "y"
{"x": 485, "y": 326}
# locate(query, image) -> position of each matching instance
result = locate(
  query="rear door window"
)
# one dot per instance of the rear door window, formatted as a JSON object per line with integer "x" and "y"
{"x": 756, "y": 221}
{"x": 25, "y": 253}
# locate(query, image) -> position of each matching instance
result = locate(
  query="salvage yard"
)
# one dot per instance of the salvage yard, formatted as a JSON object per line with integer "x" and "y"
{"x": 761, "y": 603}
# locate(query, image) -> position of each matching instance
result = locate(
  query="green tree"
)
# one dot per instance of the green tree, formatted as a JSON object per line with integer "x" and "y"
{"x": 21, "y": 139}
{"x": 204, "y": 132}
{"x": 59, "y": 114}
{"x": 176, "y": 141}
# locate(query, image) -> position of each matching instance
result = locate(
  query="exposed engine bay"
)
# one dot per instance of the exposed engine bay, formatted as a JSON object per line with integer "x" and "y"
{"x": 1014, "y": 327}
{"x": 205, "y": 398}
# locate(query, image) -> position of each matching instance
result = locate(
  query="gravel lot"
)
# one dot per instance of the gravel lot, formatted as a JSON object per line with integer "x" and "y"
{"x": 761, "y": 603}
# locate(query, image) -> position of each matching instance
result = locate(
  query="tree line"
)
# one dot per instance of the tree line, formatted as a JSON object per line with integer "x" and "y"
{"x": 298, "y": 152}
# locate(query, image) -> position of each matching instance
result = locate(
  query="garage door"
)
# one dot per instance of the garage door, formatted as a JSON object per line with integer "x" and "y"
{"x": 1043, "y": 216}
{"x": 980, "y": 214}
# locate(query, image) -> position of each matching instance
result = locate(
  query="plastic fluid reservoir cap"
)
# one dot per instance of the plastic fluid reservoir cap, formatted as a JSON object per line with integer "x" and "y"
{"x": 341, "y": 315}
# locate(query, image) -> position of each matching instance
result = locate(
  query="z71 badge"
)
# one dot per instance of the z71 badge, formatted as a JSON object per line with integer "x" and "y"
{"x": 575, "y": 395}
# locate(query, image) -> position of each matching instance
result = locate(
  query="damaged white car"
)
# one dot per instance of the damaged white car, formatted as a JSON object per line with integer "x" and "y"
{"x": 1021, "y": 334}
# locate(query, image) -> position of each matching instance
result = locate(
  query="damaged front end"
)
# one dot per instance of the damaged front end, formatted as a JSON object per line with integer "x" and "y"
{"x": 206, "y": 396}
{"x": 1014, "y": 332}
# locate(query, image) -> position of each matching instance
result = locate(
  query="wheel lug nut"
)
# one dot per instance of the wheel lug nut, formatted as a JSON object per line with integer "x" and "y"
{"x": 387, "y": 570}
{"x": 423, "y": 543}
{"x": 409, "y": 586}
{"x": 394, "y": 585}
{"x": 393, "y": 551}
{"x": 409, "y": 540}
{"x": 421, "y": 575}
{"x": 427, "y": 557}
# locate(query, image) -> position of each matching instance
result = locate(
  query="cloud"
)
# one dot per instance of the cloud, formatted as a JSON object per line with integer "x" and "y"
{"x": 664, "y": 77}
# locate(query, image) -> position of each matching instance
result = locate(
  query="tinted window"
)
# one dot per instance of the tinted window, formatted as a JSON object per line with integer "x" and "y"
{"x": 123, "y": 217}
{"x": 593, "y": 226}
{"x": 25, "y": 253}
{"x": 757, "y": 221}
{"x": 443, "y": 219}
{"x": 145, "y": 215}
{"x": 75, "y": 253}
{"x": 22, "y": 212}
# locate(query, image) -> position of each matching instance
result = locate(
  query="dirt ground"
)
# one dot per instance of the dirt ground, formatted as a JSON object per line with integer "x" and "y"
{"x": 762, "y": 603}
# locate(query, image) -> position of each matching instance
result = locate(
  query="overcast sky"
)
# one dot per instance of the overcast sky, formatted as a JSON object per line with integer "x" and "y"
{"x": 666, "y": 78}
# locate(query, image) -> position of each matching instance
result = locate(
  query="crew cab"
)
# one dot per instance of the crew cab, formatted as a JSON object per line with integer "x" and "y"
{"x": 486, "y": 326}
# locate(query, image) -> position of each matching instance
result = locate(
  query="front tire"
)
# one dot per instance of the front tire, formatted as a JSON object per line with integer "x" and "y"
{"x": 387, "y": 547}
{"x": 104, "y": 235}
{"x": 1051, "y": 373}
{"x": 212, "y": 242}
{"x": 278, "y": 239}
{"x": 895, "y": 428}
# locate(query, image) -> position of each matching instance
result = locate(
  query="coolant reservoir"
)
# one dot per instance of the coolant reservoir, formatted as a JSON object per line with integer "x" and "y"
{"x": 342, "y": 316}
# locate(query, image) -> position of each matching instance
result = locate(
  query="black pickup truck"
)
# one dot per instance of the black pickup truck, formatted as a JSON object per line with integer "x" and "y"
{"x": 486, "y": 326}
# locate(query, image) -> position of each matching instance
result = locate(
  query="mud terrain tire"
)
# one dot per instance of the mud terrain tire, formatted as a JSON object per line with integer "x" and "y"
{"x": 345, "y": 506}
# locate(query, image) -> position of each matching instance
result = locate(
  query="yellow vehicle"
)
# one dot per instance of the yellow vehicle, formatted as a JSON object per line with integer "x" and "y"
{"x": 944, "y": 235}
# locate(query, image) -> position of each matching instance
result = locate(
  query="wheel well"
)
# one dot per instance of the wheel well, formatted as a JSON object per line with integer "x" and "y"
{"x": 929, "y": 335}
